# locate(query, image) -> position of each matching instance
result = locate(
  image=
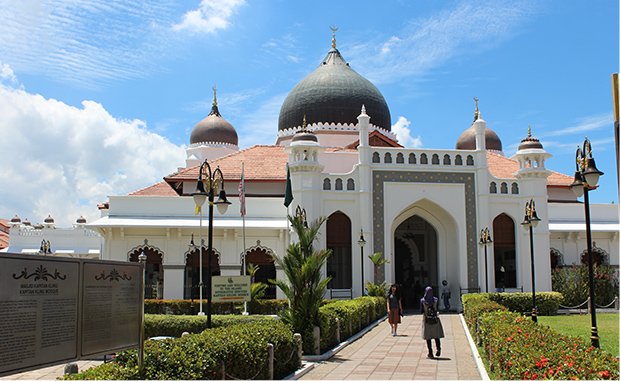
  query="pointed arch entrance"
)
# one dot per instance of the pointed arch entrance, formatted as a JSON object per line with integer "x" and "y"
{"x": 262, "y": 257}
{"x": 192, "y": 271}
{"x": 415, "y": 258}
{"x": 154, "y": 281}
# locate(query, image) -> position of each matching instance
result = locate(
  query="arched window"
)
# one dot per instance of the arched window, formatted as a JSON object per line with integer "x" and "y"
{"x": 446, "y": 160}
{"x": 339, "y": 264}
{"x": 504, "y": 188}
{"x": 493, "y": 187}
{"x": 435, "y": 159}
{"x": 387, "y": 158}
{"x": 458, "y": 160}
{"x": 261, "y": 257}
{"x": 338, "y": 184}
{"x": 327, "y": 184}
{"x": 375, "y": 157}
{"x": 400, "y": 159}
{"x": 350, "y": 184}
{"x": 514, "y": 188}
{"x": 412, "y": 158}
{"x": 470, "y": 160}
{"x": 505, "y": 252}
{"x": 557, "y": 259}
{"x": 599, "y": 256}
{"x": 423, "y": 159}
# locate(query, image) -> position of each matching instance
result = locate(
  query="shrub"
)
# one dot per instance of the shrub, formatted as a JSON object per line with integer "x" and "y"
{"x": 175, "y": 325}
{"x": 376, "y": 289}
{"x": 242, "y": 348}
{"x": 517, "y": 348}
{"x": 475, "y": 306}
{"x": 547, "y": 302}
{"x": 187, "y": 307}
{"x": 574, "y": 284}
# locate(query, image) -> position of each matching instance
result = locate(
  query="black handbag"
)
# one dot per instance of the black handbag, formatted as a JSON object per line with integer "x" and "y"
{"x": 431, "y": 316}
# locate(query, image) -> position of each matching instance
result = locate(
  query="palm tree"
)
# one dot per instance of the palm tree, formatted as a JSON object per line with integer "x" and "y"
{"x": 377, "y": 261}
{"x": 304, "y": 286}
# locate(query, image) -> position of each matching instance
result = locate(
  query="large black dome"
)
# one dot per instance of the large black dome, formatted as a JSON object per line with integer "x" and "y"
{"x": 333, "y": 93}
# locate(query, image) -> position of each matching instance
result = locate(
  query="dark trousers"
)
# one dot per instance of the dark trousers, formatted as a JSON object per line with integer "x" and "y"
{"x": 437, "y": 344}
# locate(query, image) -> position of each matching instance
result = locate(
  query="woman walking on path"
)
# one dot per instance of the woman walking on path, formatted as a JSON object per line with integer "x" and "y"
{"x": 431, "y": 325}
{"x": 394, "y": 307}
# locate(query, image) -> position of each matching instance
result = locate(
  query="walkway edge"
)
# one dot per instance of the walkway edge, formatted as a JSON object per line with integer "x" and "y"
{"x": 474, "y": 350}
{"x": 327, "y": 355}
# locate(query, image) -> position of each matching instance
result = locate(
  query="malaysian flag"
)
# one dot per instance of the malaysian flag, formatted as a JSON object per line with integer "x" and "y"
{"x": 242, "y": 193}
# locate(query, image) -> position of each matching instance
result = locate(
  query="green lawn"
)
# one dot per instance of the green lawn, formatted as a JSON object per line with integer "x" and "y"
{"x": 579, "y": 325}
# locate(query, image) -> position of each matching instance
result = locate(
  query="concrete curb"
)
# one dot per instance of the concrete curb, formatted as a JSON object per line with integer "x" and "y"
{"x": 300, "y": 372}
{"x": 329, "y": 354}
{"x": 474, "y": 350}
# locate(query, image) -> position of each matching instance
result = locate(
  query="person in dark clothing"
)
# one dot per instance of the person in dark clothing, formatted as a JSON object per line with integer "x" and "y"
{"x": 395, "y": 307}
{"x": 431, "y": 325}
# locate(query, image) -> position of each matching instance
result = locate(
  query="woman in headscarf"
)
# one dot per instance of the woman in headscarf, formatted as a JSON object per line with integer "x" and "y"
{"x": 431, "y": 325}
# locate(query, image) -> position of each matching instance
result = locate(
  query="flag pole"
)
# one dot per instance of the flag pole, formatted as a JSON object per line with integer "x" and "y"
{"x": 244, "y": 264}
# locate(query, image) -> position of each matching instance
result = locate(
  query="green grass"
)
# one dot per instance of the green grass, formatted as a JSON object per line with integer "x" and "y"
{"x": 579, "y": 325}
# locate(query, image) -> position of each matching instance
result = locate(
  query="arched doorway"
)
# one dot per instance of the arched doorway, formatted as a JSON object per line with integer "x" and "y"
{"x": 261, "y": 257}
{"x": 504, "y": 252}
{"x": 192, "y": 271}
{"x": 339, "y": 264}
{"x": 416, "y": 260}
{"x": 154, "y": 281}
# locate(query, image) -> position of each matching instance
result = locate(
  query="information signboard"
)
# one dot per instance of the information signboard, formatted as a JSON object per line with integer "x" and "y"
{"x": 231, "y": 288}
{"x": 56, "y": 310}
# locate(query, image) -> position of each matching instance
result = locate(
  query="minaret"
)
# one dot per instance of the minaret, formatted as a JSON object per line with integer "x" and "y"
{"x": 480, "y": 127}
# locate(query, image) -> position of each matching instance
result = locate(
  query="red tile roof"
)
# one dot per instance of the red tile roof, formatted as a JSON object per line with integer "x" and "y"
{"x": 4, "y": 233}
{"x": 261, "y": 163}
{"x": 503, "y": 167}
{"x": 161, "y": 188}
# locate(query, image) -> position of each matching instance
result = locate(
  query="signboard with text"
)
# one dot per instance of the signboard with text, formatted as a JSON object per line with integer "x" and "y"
{"x": 231, "y": 288}
{"x": 56, "y": 310}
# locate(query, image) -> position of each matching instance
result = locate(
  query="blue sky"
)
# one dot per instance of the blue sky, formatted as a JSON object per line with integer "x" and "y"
{"x": 98, "y": 97}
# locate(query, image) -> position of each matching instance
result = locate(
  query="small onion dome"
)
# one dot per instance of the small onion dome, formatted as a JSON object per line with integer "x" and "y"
{"x": 530, "y": 142}
{"x": 214, "y": 129}
{"x": 16, "y": 220}
{"x": 38, "y": 226}
{"x": 49, "y": 219}
{"x": 81, "y": 220}
{"x": 27, "y": 223}
{"x": 467, "y": 140}
{"x": 305, "y": 135}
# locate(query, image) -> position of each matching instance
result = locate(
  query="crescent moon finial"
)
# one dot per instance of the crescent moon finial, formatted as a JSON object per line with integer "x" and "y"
{"x": 334, "y": 29}
{"x": 214, "y": 95}
{"x": 477, "y": 112}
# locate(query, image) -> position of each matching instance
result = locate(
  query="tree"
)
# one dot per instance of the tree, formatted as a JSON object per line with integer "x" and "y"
{"x": 303, "y": 286}
{"x": 377, "y": 261}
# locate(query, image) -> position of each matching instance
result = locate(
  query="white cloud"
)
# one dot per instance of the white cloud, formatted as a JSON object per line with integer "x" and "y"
{"x": 211, "y": 16}
{"x": 63, "y": 160}
{"x": 6, "y": 74}
{"x": 428, "y": 43}
{"x": 260, "y": 126}
{"x": 585, "y": 124}
{"x": 403, "y": 133}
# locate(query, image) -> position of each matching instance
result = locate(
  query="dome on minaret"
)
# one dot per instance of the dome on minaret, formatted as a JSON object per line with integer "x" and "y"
{"x": 467, "y": 140}
{"x": 333, "y": 93}
{"x": 214, "y": 129}
{"x": 530, "y": 142}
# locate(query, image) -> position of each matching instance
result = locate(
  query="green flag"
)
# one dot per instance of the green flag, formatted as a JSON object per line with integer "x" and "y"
{"x": 288, "y": 193}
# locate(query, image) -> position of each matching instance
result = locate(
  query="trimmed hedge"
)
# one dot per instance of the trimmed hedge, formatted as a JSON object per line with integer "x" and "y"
{"x": 175, "y": 325}
{"x": 242, "y": 348}
{"x": 518, "y": 348}
{"x": 475, "y": 306}
{"x": 353, "y": 315}
{"x": 547, "y": 302}
{"x": 187, "y": 307}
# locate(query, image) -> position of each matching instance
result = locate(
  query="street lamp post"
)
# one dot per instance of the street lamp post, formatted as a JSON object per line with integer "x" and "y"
{"x": 485, "y": 240}
{"x": 362, "y": 242}
{"x": 530, "y": 221}
{"x": 586, "y": 178}
{"x": 210, "y": 180}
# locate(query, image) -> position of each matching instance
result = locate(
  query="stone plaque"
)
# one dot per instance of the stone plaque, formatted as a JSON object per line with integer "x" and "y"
{"x": 111, "y": 307}
{"x": 39, "y": 308}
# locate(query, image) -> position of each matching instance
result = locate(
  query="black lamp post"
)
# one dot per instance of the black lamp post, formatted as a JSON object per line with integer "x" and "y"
{"x": 530, "y": 221}
{"x": 485, "y": 239}
{"x": 586, "y": 178}
{"x": 210, "y": 180}
{"x": 362, "y": 242}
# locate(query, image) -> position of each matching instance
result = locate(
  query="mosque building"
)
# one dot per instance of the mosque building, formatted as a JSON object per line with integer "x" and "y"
{"x": 423, "y": 209}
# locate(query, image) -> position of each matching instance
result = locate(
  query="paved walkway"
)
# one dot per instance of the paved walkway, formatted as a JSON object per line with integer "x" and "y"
{"x": 51, "y": 372}
{"x": 380, "y": 356}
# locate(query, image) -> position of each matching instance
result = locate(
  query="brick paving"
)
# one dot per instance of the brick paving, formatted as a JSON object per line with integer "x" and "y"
{"x": 380, "y": 356}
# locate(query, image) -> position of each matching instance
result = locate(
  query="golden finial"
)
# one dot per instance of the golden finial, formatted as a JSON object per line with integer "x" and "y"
{"x": 477, "y": 113}
{"x": 334, "y": 29}
{"x": 529, "y": 131}
{"x": 303, "y": 125}
{"x": 214, "y": 96}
